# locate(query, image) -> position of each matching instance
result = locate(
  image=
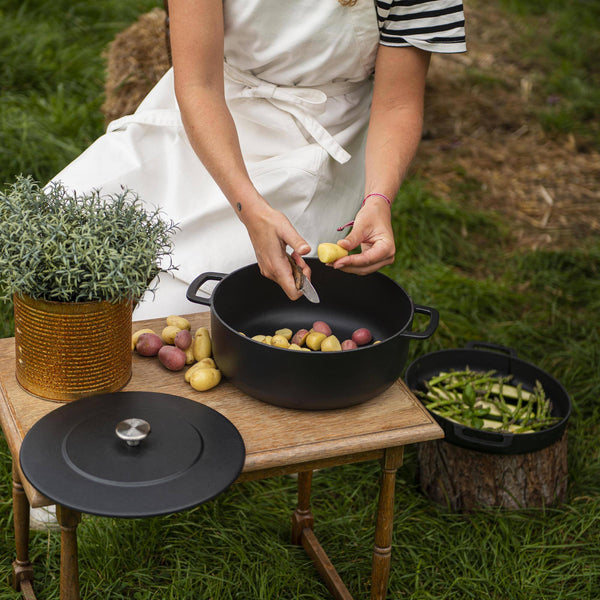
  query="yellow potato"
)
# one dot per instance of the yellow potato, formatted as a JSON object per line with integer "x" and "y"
{"x": 168, "y": 334}
{"x": 268, "y": 339}
{"x": 285, "y": 332}
{"x": 294, "y": 347}
{"x": 136, "y": 335}
{"x": 205, "y": 379}
{"x": 179, "y": 322}
{"x": 331, "y": 344}
{"x": 329, "y": 252}
{"x": 258, "y": 338}
{"x": 314, "y": 340}
{"x": 202, "y": 344}
{"x": 279, "y": 341}
{"x": 189, "y": 356}
{"x": 205, "y": 363}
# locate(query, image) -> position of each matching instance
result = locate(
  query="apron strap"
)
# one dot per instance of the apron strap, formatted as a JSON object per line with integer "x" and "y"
{"x": 300, "y": 102}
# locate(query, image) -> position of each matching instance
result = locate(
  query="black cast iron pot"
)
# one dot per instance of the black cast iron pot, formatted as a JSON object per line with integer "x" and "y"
{"x": 484, "y": 356}
{"x": 244, "y": 304}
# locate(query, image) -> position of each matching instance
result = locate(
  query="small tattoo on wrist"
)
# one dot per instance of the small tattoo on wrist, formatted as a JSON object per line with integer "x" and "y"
{"x": 239, "y": 206}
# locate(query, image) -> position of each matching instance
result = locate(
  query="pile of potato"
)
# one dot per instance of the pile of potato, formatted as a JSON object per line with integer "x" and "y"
{"x": 319, "y": 338}
{"x": 176, "y": 348}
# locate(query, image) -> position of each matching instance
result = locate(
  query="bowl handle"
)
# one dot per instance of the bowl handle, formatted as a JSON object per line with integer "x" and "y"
{"x": 489, "y": 438}
{"x": 490, "y": 346}
{"x": 193, "y": 288}
{"x": 434, "y": 319}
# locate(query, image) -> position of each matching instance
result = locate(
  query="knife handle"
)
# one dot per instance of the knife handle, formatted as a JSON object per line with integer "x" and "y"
{"x": 296, "y": 272}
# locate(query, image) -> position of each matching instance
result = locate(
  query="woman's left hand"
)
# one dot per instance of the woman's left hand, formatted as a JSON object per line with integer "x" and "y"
{"x": 372, "y": 230}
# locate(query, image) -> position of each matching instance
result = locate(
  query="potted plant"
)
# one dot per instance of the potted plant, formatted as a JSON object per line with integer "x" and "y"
{"x": 74, "y": 265}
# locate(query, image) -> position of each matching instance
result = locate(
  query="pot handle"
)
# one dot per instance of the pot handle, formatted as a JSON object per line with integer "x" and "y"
{"x": 193, "y": 288}
{"x": 489, "y": 438}
{"x": 434, "y": 319}
{"x": 490, "y": 346}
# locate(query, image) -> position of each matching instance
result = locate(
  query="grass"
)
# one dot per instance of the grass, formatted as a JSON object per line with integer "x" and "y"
{"x": 544, "y": 304}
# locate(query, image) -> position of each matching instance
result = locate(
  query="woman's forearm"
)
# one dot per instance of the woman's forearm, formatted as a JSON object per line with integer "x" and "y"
{"x": 396, "y": 121}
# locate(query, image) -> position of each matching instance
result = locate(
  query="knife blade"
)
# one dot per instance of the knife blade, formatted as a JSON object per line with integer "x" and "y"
{"x": 303, "y": 282}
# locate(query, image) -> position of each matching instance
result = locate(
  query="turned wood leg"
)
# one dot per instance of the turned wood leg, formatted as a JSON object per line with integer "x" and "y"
{"x": 69, "y": 567}
{"x": 382, "y": 551}
{"x": 21, "y": 568}
{"x": 302, "y": 517}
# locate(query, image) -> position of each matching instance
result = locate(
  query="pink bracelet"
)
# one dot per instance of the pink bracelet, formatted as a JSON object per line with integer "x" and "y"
{"x": 363, "y": 203}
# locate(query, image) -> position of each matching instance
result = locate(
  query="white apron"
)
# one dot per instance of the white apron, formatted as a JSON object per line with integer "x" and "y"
{"x": 298, "y": 85}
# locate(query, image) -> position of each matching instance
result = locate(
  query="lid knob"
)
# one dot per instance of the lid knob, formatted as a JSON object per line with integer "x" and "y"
{"x": 133, "y": 431}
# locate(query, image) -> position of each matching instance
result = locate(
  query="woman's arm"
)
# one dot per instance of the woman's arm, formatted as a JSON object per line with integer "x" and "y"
{"x": 197, "y": 39}
{"x": 395, "y": 129}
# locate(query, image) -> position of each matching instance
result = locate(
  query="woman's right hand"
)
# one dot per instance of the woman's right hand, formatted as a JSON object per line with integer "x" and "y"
{"x": 271, "y": 232}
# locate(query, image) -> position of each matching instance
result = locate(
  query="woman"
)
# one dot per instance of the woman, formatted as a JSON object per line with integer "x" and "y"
{"x": 283, "y": 143}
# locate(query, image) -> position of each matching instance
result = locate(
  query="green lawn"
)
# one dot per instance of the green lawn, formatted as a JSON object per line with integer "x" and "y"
{"x": 544, "y": 304}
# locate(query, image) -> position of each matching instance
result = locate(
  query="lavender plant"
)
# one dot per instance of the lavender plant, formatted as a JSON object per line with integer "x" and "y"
{"x": 68, "y": 247}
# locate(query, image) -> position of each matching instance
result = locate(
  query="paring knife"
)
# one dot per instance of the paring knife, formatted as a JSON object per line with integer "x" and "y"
{"x": 303, "y": 282}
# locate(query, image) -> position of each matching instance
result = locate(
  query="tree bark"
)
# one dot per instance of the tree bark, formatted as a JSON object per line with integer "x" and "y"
{"x": 465, "y": 479}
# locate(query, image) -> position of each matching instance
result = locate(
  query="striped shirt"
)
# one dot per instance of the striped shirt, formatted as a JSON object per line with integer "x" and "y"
{"x": 432, "y": 25}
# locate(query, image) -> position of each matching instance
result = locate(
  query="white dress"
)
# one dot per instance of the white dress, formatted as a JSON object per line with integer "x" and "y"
{"x": 298, "y": 85}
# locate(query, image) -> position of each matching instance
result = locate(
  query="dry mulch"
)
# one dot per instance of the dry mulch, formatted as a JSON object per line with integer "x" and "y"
{"x": 482, "y": 144}
{"x": 487, "y": 141}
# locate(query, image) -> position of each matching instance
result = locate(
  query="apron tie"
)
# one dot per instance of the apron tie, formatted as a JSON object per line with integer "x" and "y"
{"x": 299, "y": 102}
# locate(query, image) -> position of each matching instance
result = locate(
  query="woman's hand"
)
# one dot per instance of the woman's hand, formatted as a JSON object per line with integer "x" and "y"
{"x": 271, "y": 232}
{"x": 372, "y": 230}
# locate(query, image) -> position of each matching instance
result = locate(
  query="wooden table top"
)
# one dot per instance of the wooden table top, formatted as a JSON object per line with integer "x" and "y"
{"x": 276, "y": 439}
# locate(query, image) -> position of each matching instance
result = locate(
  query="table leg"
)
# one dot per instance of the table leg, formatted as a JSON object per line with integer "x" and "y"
{"x": 302, "y": 517}
{"x": 69, "y": 566}
{"x": 22, "y": 569}
{"x": 382, "y": 551}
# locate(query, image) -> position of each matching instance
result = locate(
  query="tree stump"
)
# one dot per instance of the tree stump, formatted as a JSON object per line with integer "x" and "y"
{"x": 465, "y": 479}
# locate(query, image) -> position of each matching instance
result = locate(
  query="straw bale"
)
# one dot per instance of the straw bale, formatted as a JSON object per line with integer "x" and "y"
{"x": 135, "y": 60}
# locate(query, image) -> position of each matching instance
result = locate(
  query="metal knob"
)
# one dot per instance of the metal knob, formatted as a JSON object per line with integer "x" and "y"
{"x": 133, "y": 431}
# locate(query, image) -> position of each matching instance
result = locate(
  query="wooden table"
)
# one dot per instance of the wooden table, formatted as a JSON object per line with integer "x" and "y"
{"x": 277, "y": 440}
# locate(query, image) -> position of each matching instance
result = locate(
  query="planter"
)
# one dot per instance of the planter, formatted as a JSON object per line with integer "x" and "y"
{"x": 67, "y": 350}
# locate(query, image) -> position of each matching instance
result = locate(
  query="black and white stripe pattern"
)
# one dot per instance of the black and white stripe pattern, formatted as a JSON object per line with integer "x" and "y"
{"x": 433, "y": 25}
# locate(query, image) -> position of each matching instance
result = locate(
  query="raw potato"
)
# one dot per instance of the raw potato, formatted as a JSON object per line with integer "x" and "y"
{"x": 136, "y": 335}
{"x": 314, "y": 340}
{"x": 258, "y": 338}
{"x": 279, "y": 341}
{"x": 172, "y": 358}
{"x": 331, "y": 344}
{"x": 179, "y": 322}
{"x": 362, "y": 336}
{"x": 349, "y": 345}
{"x": 299, "y": 337}
{"x": 329, "y": 252}
{"x": 205, "y": 379}
{"x": 168, "y": 334}
{"x": 205, "y": 363}
{"x": 285, "y": 332}
{"x": 189, "y": 356}
{"x": 183, "y": 339}
{"x": 148, "y": 344}
{"x": 322, "y": 327}
{"x": 202, "y": 345}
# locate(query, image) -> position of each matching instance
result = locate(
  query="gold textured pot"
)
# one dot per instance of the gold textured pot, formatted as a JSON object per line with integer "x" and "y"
{"x": 67, "y": 350}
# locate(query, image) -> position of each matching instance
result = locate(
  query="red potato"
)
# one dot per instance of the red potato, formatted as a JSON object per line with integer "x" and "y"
{"x": 183, "y": 339}
{"x": 322, "y": 327}
{"x": 172, "y": 358}
{"x": 349, "y": 345}
{"x": 362, "y": 336}
{"x": 148, "y": 344}
{"x": 299, "y": 337}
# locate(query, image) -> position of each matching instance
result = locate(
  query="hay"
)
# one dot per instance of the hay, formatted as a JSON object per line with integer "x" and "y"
{"x": 483, "y": 144}
{"x": 136, "y": 59}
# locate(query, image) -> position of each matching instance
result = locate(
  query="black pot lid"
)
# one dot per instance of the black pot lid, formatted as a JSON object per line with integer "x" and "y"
{"x": 132, "y": 454}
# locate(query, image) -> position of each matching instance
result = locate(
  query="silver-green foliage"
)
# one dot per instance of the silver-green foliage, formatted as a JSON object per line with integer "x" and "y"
{"x": 63, "y": 246}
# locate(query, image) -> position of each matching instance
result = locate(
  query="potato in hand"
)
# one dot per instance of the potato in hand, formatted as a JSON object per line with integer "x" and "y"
{"x": 329, "y": 252}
